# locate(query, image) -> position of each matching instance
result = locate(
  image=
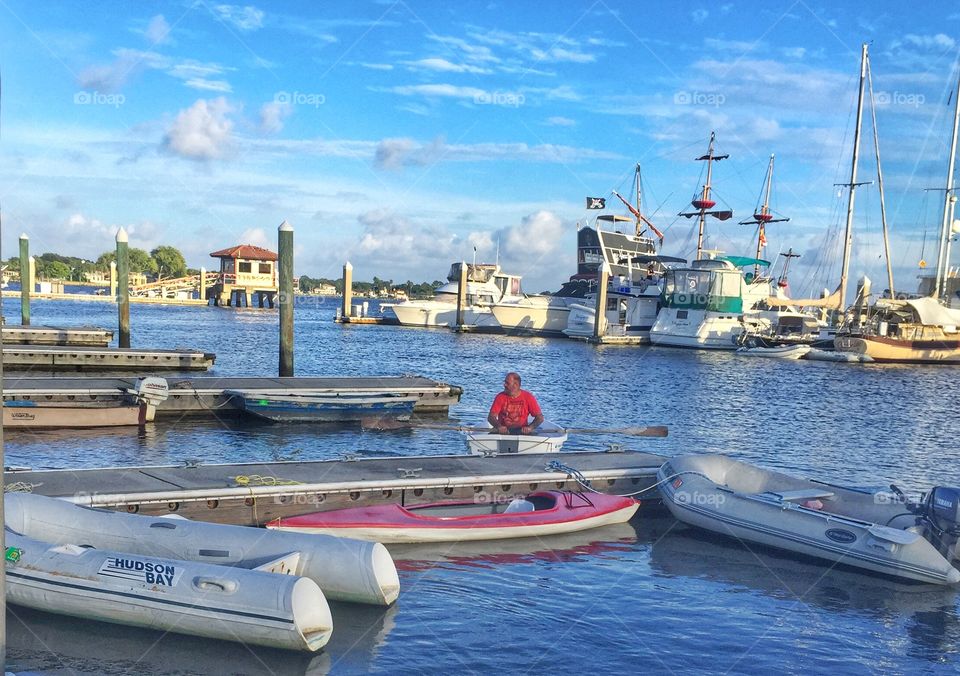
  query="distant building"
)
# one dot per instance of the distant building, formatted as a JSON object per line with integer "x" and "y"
{"x": 248, "y": 276}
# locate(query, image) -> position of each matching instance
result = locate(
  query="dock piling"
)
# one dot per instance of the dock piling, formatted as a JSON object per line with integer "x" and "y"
{"x": 113, "y": 279}
{"x": 25, "y": 286}
{"x": 600, "y": 319}
{"x": 347, "y": 289}
{"x": 285, "y": 270}
{"x": 461, "y": 295}
{"x": 123, "y": 288}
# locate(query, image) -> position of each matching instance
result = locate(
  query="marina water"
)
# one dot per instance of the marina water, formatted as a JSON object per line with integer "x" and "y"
{"x": 650, "y": 596}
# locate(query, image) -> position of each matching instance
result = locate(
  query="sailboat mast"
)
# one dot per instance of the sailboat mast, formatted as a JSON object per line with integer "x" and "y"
{"x": 762, "y": 217}
{"x": 848, "y": 236}
{"x": 639, "y": 219}
{"x": 942, "y": 262}
{"x": 705, "y": 196}
{"x": 883, "y": 208}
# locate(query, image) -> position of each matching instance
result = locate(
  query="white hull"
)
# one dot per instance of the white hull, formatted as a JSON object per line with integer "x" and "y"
{"x": 550, "y": 439}
{"x": 394, "y": 535}
{"x": 699, "y": 329}
{"x": 547, "y": 316}
{"x": 345, "y": 570}
{"x": 756, "y": 505}
{"x": 436, "y": 314}
{"x": 636, "y": 320}
{"x": 249, "y": 606}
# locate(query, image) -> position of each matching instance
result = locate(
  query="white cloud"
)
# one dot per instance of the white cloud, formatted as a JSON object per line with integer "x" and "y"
{"x": 395, "y": 153}
{"x": 558, "y": 121}
{"x": 699, "y": 15}
{"x": 257, "y": 237}
{"x": 158, "y": 30}
{"x": 128, "y": 63}
{"x": 272, "y": 115}
{"x": 202, "y": 131}
{"x": 246, "y": 19}
{"x": 444, "y": 90}
{"x": 938, "y": 42}
{"x": 412, "y": 250}
{"x": 444, "y": 66}
{"x": 378, "y": 66}
{"x": 219, "y": 86}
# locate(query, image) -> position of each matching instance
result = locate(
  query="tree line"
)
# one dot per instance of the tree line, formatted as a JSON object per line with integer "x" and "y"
{"x": 421, "y": 290}
{"x": 163, "y": 262}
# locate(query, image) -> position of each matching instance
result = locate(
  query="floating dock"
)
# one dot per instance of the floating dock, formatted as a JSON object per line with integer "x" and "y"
{"x": 204, "y": 396}
{"x": 57, "y": 358}
{"x": 74, "y": 336}
{"x": 254, "y": 493}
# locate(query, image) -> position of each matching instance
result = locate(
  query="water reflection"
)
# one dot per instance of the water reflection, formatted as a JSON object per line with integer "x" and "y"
{"x": 38, "y": 641}
{"x": 927, "y": 613}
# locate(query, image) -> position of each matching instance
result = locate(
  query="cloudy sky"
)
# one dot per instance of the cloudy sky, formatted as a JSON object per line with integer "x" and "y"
{"x": 401, "y": 135}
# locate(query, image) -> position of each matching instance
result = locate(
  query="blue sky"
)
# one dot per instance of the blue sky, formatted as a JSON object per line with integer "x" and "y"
{"x": 401, "y": 135}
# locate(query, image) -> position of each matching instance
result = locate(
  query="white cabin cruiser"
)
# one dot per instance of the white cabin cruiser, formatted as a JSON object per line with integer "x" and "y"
{"x": 712, "y": 304}
{"x": 879, "y": 532}
{"x": 486, "y": 285}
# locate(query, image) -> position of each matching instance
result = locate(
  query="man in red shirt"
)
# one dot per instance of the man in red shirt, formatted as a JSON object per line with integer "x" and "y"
{"x": 512, "y": 409}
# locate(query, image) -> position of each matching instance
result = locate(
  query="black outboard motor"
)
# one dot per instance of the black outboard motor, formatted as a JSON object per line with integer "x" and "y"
{"x": 941, "y": 520}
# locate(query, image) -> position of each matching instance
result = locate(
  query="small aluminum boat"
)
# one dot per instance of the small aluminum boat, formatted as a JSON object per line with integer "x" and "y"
{"x": 548, "y": 438}
{"x": 138, "y": 407}
{"x": 537, "y": 514}
{"x": 332, "y": 408}
{"x": 880, "y": 532}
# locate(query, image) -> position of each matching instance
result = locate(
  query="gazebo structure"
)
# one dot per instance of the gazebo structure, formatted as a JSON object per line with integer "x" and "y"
{"x": 248, "y": 275}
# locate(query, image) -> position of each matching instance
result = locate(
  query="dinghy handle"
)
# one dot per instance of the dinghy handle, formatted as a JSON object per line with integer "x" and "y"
{"x": 206, "y": 583}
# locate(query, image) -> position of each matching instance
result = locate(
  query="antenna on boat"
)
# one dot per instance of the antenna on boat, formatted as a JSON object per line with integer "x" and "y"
{"x": 703, "y": 204}
{"x": 883, "y": 208}
{"x": 498, "y": 251}
{"x": 762, "y": 217}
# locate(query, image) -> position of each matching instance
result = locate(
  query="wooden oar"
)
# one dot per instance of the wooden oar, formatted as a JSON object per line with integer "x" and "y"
{"x": 652, "y": 431}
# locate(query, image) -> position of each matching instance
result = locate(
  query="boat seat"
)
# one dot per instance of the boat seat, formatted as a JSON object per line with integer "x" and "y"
{"x": 798, "y": 495}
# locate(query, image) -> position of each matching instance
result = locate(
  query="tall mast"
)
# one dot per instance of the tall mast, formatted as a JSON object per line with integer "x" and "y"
{"x": 848, "y": 237}
{"x": 942, "y": 262}
{"x": 639, "y": 211}
{"x": 883, "y": 208}
{"x": 762, "y": 217}
{"x": 704, "y": 204}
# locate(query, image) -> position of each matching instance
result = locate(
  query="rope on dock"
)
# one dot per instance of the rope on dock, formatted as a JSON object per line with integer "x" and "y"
{"x": 20, "y": 487}
{"x": 577, "y": 475}
{"x": 262, "y": 480}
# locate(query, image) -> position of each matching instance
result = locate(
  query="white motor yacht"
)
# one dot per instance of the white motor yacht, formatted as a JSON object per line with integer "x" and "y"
{"x": 486, "y": 285}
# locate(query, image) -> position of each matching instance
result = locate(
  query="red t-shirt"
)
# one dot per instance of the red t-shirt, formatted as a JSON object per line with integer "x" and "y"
{"x": 515, "y": 411}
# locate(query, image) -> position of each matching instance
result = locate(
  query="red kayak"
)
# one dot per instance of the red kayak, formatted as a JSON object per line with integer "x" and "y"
{"x": 540, "y": 513}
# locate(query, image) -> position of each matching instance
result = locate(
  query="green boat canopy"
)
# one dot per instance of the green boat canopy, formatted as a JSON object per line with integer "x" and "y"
{"x": 744, "y": 261}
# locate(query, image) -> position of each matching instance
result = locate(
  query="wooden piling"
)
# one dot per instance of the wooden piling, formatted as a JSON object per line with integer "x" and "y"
{"x": 25, "y": 286}
{"x": 600, "y": 319}
{"x": 347, "y": 290}
{"x": 461, "y": 295}
{"x": 202, "y": 286}
{"x": 285, "y": 270}
{"x": 123, "y": 288}
{"x": 113, "y": 279}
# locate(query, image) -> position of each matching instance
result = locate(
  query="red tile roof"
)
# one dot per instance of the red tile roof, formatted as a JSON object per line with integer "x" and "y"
{"x": 247, "y": 252}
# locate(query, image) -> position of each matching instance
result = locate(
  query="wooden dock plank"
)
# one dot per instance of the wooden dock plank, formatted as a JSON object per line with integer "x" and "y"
{"x": 205, "y": 394}
{"x": 59, "y": 358}
{"x": 86, "y": 336}
{"x": 252, "y": 493}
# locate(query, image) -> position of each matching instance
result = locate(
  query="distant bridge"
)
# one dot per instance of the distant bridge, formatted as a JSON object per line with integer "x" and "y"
{"x": 170, "y": 288}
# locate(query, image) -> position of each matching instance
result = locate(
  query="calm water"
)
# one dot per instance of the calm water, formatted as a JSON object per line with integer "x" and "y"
{"x": 647, "y": 596}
